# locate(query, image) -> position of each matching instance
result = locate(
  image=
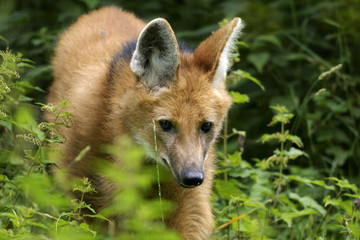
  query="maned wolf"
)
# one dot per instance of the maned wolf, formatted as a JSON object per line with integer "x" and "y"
{"x": 120, "y": 74}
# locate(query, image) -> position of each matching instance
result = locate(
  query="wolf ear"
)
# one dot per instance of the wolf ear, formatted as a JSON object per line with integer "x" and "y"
{"x": 156, "y": 57}
{"x": 214, "y": 52}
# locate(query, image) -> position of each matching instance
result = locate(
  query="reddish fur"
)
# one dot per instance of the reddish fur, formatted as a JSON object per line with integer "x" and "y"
{"x": 81, "y": 71}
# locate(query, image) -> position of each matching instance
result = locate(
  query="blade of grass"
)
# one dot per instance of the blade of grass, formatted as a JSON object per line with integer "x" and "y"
{"x": 235, "y": 219}
{"x": 158, "y": 172}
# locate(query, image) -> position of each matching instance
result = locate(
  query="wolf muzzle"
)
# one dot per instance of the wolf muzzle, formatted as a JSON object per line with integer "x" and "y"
{"x": 191, "y": 178}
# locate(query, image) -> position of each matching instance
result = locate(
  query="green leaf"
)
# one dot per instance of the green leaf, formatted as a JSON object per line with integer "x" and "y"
{"x": 6, "y": 124}
{"x": 243, "y": 74}
{"x": 339, "y": 153}
{"x": 4, "y": 39}
{"x": 330, "y": 201}
{"x": 280, "y": 109}
{"x": 238, "y": 97}
{"x": 55, "y": 139}
{"x": 88, "y": 206}
{"x": 294, "y": 153}
{"x": 332, "y": 22}
{"x": 83, "y": 185}
{"x": 269, "y": 137}
{"x": 321, "y": 183}
{"x": 25, "y": 98}
{"x": 271, "y": 39}
{"x": 295, "y": 139}
{"x": 234, "y": 158}
{"x": 343, "y": 183}
{"x": 4, "y": 178}
{"x": 91, "y": 3}
{"x": 99, "y": 216}
{"x": 287, "y": 217}
{"x": 235, "y": 131}
{"x": 86, "y": 227}
{"x": 242, "y": 43}
{"x": 308, "y": 202}
{"x": 259, "y": 60}
{"x": 227, "y": 189}
{"x": 282, "y": 115}
{"x": 352, "y": 195}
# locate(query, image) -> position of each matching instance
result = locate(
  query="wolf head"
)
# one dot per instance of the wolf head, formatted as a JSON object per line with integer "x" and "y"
{"x": 183, "y": 93}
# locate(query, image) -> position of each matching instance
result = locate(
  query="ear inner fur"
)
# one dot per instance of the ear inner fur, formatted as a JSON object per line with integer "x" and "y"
{"x": 156, "y": 57}
{"x": 217, "y": 61}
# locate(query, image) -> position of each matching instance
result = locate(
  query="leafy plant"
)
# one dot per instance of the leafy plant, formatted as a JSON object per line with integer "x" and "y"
{"x": 252, "y": 206}
{"x": 31, "y": 204}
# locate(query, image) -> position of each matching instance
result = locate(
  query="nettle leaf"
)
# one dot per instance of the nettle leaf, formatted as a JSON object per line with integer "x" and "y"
{"x": 283, "y": 118}
{"x": 294, "y": 139}
{"x": 238, "y": 132}
{"x": 239, "y": 98}
{"x": 227, "y": 189}
{"x": 259, "y": 60}
{"x": 234, "y": 158}
{"x": 287, "y": 217}
{"x": 276, "y": 158}
{"x": 88, "y": 206}
{"x": 330, "y": 201}
{"x": 84, "y": 186}
{"x": 280, "y": 109}
{"x": 4, "y": 178}
{"x": 308, "y": 202}
{"x": 352, "y": 195}
{"x": 346, "y": 205}
{"x": 99, "y": 216}
{"x": 256, "y": 204}
{"x": 339, "y": 153}
{"x": 242, "y": 172}
{"x": 294, "y": 153}
{"x": 270, "y": 137}
{"x": 86, "y": 227}
{"x": 344, "y": 184}
{"x": 309, "y": 182}
{"x": 243, "y": 74}
{"x": 270, "y": 39}
{"x": 321, "y": 183}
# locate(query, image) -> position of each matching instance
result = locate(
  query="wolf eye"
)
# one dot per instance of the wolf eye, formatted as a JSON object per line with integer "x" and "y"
{"x": 166, "y": 125}
{"x": 206, "y": 127}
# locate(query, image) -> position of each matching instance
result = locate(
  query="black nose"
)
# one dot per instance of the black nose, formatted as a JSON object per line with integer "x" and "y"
{"x": 192, "y": 178}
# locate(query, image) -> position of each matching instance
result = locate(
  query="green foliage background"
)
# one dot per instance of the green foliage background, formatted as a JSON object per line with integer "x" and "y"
{"x": 286, "y": 45}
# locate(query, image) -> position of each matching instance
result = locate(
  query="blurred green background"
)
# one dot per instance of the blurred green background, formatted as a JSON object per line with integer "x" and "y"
{"x": 287, "y": 44}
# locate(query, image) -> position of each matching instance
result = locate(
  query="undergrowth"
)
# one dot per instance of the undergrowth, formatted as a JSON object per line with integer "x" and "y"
{"x": 269, "y": 199}
{"x": 31, "y": 204}
{"x": 292, "y": 187}
{"x": 273, "y": 198}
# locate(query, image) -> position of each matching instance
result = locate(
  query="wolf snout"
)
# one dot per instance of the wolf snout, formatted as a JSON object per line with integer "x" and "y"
{"x": 192, "y": 178}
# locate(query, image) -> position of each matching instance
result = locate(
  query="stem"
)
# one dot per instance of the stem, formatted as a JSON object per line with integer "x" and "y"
{"x": 225, "y": 147}
{"x": 158, "y": 172}
{"x": 266, "y": 221}
{"x": 18, "y": 193}
{"x": 238, "y": 226}
{"x": 81, "y": 201}
{"x": 235, "y": 219}
{"x": 278, "y": 189}
{"x": 27, "y": 175}
{"x": 326, "y": 214}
